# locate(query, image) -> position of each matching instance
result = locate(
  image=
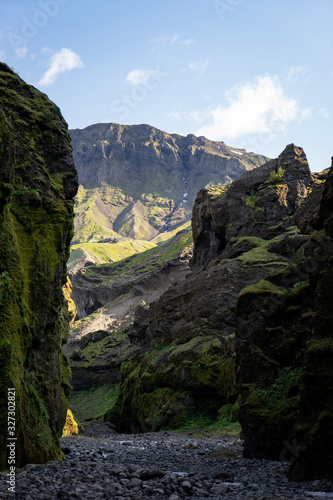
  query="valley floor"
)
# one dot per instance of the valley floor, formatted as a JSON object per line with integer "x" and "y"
{"x": 164, "y": 465}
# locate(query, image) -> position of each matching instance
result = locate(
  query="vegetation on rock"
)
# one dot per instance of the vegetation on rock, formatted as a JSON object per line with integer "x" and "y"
{"x": 37, "y": 183}
{"x": 251, "y": 320}
{"x": 139, "y": 183}
{"x": 247, "y": 335}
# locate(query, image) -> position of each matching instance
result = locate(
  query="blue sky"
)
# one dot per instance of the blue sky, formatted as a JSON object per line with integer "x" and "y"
{"x": 256, "y": 74}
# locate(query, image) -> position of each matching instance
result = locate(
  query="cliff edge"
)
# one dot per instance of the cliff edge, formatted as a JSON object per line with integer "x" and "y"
{"x": 38, "y": 181}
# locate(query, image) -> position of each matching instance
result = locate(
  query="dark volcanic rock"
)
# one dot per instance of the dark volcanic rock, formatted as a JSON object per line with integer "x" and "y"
{"x": 314, "y": 426}
{"x": 284, "y": 354}
{"x": 242, "y": 235}
{"x": 254, "y": 318}
{"x": 252, "y": 206}
{"x": 37, "y": 183}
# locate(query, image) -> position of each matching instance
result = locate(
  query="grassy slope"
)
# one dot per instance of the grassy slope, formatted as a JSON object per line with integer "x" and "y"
{"x": 144, "y": 262}
{"x": 95, "y": 402}
{"x": 107, "y": 252}
{"x": 110, "y": 227}
{"x": 106, "y": 212}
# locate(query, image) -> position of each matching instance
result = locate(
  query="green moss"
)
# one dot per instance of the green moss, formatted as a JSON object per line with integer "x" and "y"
{"x": 253, "y": 240}
{"x": 216, "y": 191}
{"x": 263, "y": 287}
{"x": 170, "y": 412}
{"x": 286, "y": 386}
{"x": 170, "y": 234}
{"x": 36, "y": 223}
{"x": 182, "y": 376}
{"x": 272, "y": 412}
{"x": 275, "y": 178}
{"x": 139, "y": 264}
{"x": 251, "y": 201}
{"x": 95, "y": 402}
{"x": 317, "y": 346}
{"x": 106, "y": 252}
{"x": 260, "y": 255}
{"x": 71, "y": 427}
{"x": 201, "y": 422}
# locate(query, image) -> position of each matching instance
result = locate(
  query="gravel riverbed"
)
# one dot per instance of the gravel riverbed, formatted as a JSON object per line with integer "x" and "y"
{"x": 158, "y": 466}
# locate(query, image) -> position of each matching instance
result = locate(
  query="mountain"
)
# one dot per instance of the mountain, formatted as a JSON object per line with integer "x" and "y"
{"x": 137, "y": 182}
{"x": 37, "y": 184}
{"x": 247, "y": 335}
{"x": 251, "y": 329}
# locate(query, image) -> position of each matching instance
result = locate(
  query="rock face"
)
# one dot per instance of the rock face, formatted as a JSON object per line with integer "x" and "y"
{"x": 242, "y": 235}
{"x": 138, "y": 181}
{"x": 313, "y": 431}
{"x": 284, "y": 353}
{"x": 252, "y": 206}
{"x": 98, "y": 346}
{"x": 140, "y": 277}
{"x": 250, "y": 331}
{"x": 37, "y": 182}
{"x": 142, "y": 159}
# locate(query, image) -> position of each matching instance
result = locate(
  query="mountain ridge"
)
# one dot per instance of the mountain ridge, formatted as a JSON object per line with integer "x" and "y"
{"x": 153, "y": 175}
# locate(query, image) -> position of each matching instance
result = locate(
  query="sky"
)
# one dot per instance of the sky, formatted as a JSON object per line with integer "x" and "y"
{"x": 256, "y": 74}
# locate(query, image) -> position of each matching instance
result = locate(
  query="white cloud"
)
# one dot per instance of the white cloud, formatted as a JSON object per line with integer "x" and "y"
{"x": 139, "y": 76}
{"x": 163, "y": 42}
{"x": 300, "y": 75}
{"x": 197, "y": 66}
{"x": 295, "y": 73}
{"x": 21, "y": 51}
{"x": 187, "y": 41}
{"x": 257, "y": 107}
{"x": 176, "y": 114}
{"x": 64, "y": 60}
{"x": 172, "y": 40}
{"x": 324, "y": 113}
{"x": 190, "y": 116}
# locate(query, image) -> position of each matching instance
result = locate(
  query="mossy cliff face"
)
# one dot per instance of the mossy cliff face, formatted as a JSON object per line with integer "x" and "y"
{"x": 37, "y": 183}
{"x": 284, "y": 350}
{"x": 242, "y": 236}
{"x": 313, "y": 431}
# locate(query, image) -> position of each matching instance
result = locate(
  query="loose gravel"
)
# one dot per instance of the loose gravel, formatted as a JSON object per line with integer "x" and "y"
{"x": 158, "y": 466}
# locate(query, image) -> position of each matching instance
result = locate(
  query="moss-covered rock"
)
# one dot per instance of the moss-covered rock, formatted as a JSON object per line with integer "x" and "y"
{"x": 171, "y": 383}
{"x": 72, "y": 427}
{"x": 187, "y": 336}
{"x": 37, "y": 183}
{"x": 284, "y": 349}
{"x": 313, "y": 431}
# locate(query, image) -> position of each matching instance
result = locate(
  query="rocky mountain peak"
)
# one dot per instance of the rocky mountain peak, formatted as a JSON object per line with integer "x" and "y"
{"x": 253, "y": 204}
{"x": 138, "y": 182}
